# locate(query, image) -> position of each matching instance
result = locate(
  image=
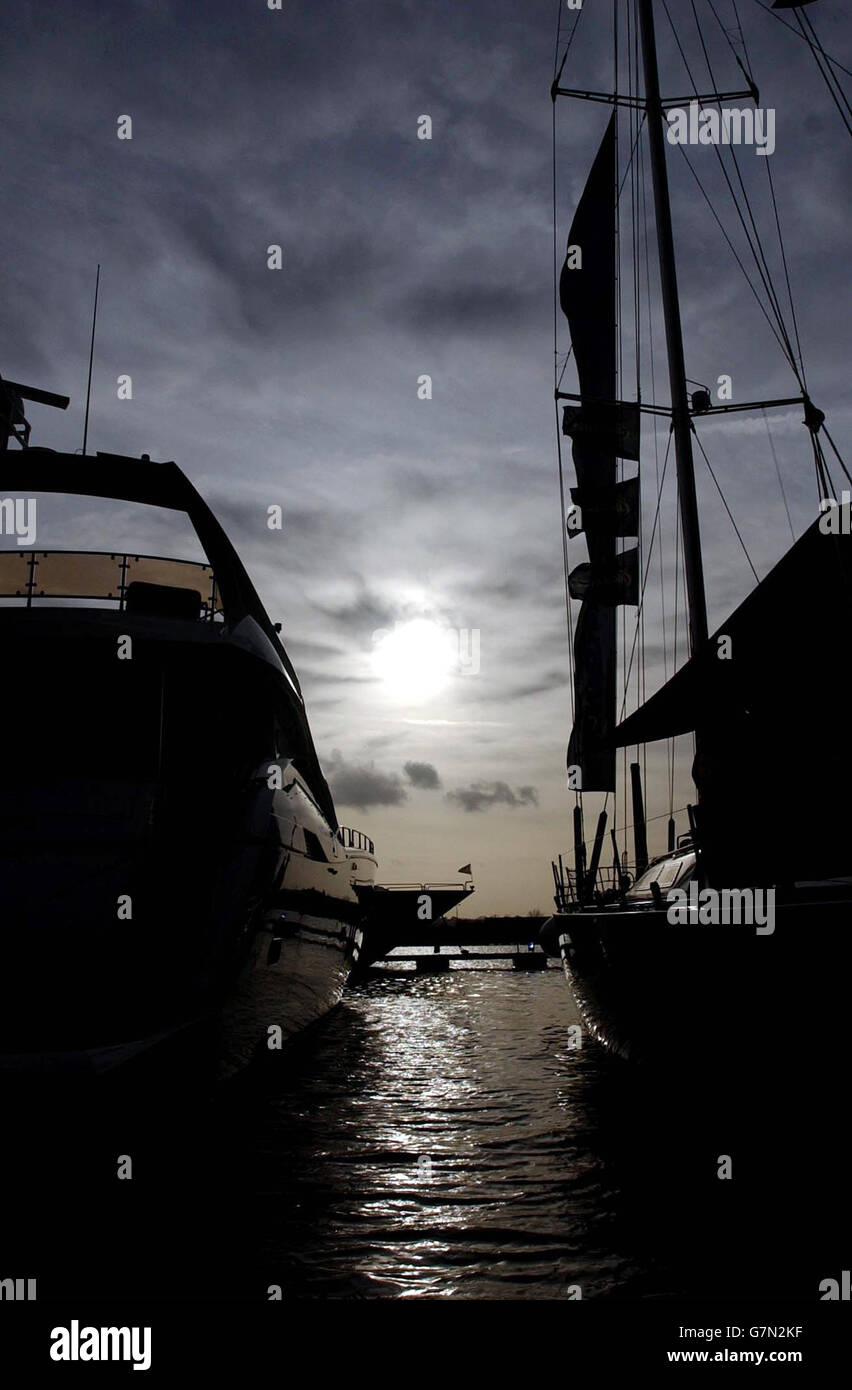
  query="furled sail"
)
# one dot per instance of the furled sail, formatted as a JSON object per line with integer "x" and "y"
{"x": 610, "y": 426}
{"x": 587, "y": 295}
{"x": 614, "y": 583}
{"x": 611, "y": 511}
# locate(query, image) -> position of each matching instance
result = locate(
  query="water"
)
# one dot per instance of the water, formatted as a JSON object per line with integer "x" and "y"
{"x": 433, "y": 1138}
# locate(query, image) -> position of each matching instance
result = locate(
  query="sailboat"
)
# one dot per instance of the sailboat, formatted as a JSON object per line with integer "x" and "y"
{"x": 740, "y": 930}
{"x": 174, "y": 897}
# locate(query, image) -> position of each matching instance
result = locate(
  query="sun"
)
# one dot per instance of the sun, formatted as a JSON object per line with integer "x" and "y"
{"x": 415, "y": 659}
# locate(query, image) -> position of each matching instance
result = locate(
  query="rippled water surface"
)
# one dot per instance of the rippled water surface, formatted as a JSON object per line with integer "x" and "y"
{"x": 437, "y": 1138}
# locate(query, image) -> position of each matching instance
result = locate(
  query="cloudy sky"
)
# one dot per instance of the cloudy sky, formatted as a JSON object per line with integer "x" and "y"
{"x": 401, "y": 257}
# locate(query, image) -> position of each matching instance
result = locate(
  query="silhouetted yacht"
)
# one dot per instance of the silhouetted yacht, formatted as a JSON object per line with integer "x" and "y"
{"x": 172, "y": 880}
{"x": 743, "y": 925}
{"x": 394, "y": 913}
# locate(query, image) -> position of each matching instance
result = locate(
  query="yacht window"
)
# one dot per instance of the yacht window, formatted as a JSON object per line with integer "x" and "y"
{"x": 666, "y": 874}
{"x": 313, "y": 847}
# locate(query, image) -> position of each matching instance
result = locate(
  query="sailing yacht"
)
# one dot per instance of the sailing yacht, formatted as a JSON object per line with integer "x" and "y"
{"x": 743, "y": 925}
{"x": 173, "y": 887}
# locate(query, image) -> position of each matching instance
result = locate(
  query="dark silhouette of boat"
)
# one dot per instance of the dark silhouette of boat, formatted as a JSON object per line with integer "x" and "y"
{"x": 682, "y": 964}
{"x": 173, "y": 886}
{"x": 393, "y": 911}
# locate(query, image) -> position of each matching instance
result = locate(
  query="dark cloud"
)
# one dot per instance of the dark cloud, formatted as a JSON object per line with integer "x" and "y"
{"x": 365, "y": 612}
{"x": 474, "y": 307}
{"x": 549, "y": 680}
{"x": 481, "y": 796}
{"x": 355, "y": 785}
{"x": 422, "y": 775}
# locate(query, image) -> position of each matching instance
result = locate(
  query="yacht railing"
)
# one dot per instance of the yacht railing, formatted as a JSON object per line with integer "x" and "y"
{"x": 425, "y": 887}
{"x": 607, "y": 883}
{"x": 102, "y": 575}
{"x": 355, "y": 839}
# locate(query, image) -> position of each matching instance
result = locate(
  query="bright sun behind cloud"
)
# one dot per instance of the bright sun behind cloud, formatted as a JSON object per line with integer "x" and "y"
{"x": 415, "y": 659}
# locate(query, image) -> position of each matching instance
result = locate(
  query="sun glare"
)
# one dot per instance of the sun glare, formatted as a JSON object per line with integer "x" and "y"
{"x": 415, "y": 659}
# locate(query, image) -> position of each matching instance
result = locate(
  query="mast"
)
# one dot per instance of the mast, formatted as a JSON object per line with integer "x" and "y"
{"x": 681, "y": 421}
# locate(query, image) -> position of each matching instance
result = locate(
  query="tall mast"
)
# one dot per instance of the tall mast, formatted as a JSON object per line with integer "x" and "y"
{"x": 681, "y": 421}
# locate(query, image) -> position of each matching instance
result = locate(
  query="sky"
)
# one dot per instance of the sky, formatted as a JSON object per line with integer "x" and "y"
{"x": 406, "y": 522}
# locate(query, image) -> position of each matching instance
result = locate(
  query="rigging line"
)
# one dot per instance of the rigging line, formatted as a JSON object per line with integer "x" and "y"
{"x": 568, "y": 615}
{"x": 757, "y": 238}
{"x": 793, "y": 316}
{"x": 662, "y": 816}
{"x": 725, "y": 505}
{"x": 633, "y": 74}
{"x": 645, "y": 579}
{"x": 564, "y": 365}
{"x": 557, "y": 74}
{"x": 816, "y": 43}
{"x": 632, "y": 153}
{"x": 836, "y": 453}
{"x": 743, "y": 69}
{"x": 754, "y": 246}
{"x": 623, "y": 828}
{"x": 638, "y": 311}
{"x": 679, "y": 575}
{"x": 686, "y": 610}
{"x": 778, "y": 471}
{"x": 738, "y": 23}
{"x": 619, "y": 467}
{"x": 781, "y": 245}
{"x": 565, "y": 362}
{"x": 830, "y": 492}
{"x": 782, "y": 248}
{"x": 647, "y": 259}
{"x": 825, "y": 487}
{"x": 796, "y": 34}
{"x": 826, "y": 75}
{"x": 565, "y": 562}
{"x": 555, "y": 263}
{"x": 734, "y": 252}
{"x": 829, "y": 78}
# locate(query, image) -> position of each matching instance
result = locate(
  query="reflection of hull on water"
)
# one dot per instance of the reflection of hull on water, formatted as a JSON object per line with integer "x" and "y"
{"x": 172, "y": 884}
{"x": 395, "y": 915}
{"x": 664, "y": 994}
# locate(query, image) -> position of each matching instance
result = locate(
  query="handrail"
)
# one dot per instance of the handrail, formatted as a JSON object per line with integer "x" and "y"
{"x": 111, "y": 584}
{"x": 355, "y": 839}
{"x": 425, "y": 887}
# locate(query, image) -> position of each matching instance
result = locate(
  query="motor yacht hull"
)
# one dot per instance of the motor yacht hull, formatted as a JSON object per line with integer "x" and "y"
{"x": 171, "y": 891}
{"x": 401, "y": 916}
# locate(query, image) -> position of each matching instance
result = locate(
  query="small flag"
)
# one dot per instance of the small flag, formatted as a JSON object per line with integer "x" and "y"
{"x": 466, "y": 869}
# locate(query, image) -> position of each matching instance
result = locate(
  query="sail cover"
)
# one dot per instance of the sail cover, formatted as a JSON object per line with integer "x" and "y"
{"x": 613, "y": 510}
{"x": 587, "y": 296}
{"x": 775, "y": 757}
{"x": 787, "y": 656}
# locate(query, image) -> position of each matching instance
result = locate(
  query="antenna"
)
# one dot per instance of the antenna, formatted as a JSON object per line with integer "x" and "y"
{"x": 91, "y": 360}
